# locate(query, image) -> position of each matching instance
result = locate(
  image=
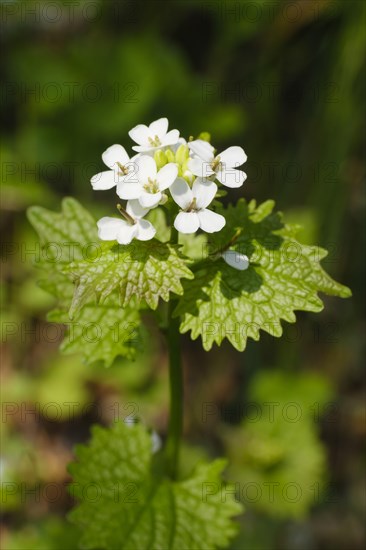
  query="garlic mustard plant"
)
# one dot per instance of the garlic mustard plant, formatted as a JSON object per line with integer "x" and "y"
{"x": 244, "y": 273}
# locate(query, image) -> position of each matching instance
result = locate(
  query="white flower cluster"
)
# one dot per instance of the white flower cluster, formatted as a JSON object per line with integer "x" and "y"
{"x": 165, "y": 161}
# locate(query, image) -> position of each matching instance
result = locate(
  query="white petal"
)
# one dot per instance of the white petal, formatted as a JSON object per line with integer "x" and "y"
{"x": 167, "y": 175}
{"x": 232, "y": 177}
{"x": 171, "y": 138}
{"x": 187, "y": 222}
{"x": 129, "y": 190}
{"x": 108, "y": 228}
{"x": 181, "y": 193}
{"x": 233, "y": 156}
{"x": 140, "y": 134}
{"x": 203, "y": 149}
{"x": 145, "y": 168}
{"x": 236, "y": 260}
{"x": 210, "y": 221}
{"x": 145, "y": 230}
{"x": 132, "y": 167}
{"x": 104, "y": 180}
{"x": 145, "y": 148}
{"x": 114, "y": 154}
{"x": 127, "y": 233}
{"x": 149, "y": 200}
{"x": 135, "y": 209}
{"x": 204, "y": 191}
{"x": 159, "y": 128}
{"x": 200, "y": 167}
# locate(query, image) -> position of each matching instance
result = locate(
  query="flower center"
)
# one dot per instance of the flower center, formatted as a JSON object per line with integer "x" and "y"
{"x": 129, "y": 219}
{"x": 123, "y": 170}
{"x": 155, "y": 142}
{"x": 193, "y": 206}
{"x": 151, "y": 186}
{"x": 216, "y": 164}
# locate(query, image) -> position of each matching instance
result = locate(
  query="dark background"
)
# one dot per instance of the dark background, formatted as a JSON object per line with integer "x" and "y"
{"x": 285, "y": 81}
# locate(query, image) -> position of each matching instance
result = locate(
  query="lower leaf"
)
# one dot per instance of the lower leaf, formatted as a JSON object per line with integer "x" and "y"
{"x": 124, "y": 505}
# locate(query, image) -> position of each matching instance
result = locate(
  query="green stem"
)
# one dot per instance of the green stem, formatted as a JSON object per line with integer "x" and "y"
{"x": 175, "y": 427}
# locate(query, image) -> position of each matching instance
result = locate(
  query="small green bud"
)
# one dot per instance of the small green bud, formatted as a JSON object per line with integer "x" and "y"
{"x": 160, "y": 158}
{"x": 206, "y": 136}
{"x": 182, "y": 154}
{"x": 170, "y": 155}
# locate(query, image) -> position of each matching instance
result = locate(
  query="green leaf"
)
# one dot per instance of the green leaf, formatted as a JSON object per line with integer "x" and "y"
{"x": 70, "y": 231}
{"x": 144, "y": 270}
{"x": 281, "y": 456}
{"x": 97, "y": 332}
{"x": 193, "y": 246}
{"x": 123, "y": 504}
{"x": 64, "y": 237}
{"x": 276, "y": 453}
{"x": 283, "y": 276}
{"x": 100, "y": 332}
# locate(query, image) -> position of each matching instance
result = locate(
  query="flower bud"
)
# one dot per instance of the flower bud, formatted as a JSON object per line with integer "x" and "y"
{"x": 182, "y": 154}
{"x": 170, "y": 155}
{"x": 206, "y": 136}
{"x": 160, "y": 158}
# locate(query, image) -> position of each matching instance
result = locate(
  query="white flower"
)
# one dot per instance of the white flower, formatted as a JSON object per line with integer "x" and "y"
{"x": 236, "y": 260}
{"x": 155, "y": 136}
{"x": 123, "y": 231}
{"x": 193, "y": 203}
{"x": 121, "y": 166}
{"x": 205, "y": 163}
{"x": 147, "y": 183}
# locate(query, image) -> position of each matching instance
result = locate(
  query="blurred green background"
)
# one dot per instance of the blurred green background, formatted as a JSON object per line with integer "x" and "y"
{"x": 283, "y": 80}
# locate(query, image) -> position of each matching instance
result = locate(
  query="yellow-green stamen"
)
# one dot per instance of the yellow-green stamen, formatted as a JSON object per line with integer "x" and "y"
{"x": 215, "y": 165}
{"x": 193, "y": 206}
{"x": 125, "y": 214}
{"x": 155, "y": 142}
{"x": 152, "y": 186}
{"x": 123, "y": 169}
